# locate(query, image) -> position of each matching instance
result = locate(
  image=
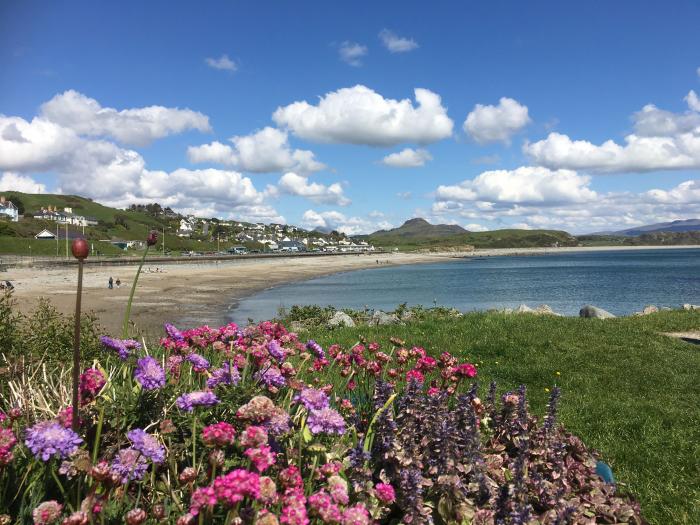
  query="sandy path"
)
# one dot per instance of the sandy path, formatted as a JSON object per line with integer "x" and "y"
{"x": 185, "y": 294}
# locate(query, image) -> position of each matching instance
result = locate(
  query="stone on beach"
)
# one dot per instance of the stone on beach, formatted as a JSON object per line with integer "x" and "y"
{"x": 340, "y": 318}
{"x": 649, "y": 309}
{"x": 594, "y": 312}
{"x": 691, "y": 307}
{"x": 524, "y": 309}
{"x": 545, "y": 309}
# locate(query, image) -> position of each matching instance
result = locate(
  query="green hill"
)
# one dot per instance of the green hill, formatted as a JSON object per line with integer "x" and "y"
{"x": 417, "y": 234}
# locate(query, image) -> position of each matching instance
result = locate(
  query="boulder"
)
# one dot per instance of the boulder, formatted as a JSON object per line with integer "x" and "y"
{"x": 691, "y": 307}
{"x": 650, "y": 309}
{"x": 380, "y": 318}
{"x": 524, "y": 309}
{"x": 340, "y": 318}
{"x": 545, "y": 309}
{"x": 594, "y": 312}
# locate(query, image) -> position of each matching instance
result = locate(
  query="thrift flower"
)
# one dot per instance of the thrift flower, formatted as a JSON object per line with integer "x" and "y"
{"x": 466, "y": 370}
{"x": 356, "y": 515}
{"x": 7, "y": 443}
{"x": 202, "y": 497}
{"x": 47, "y": 512}
{"x": 323, "y": 506}
{"x": 253, "y": 437}
{"x": 187, "y": 402}
{"x": 385, "y": 493}
{"x": 237, "y": 485}
{"x": 262, "y": 457}
{"x": 268, "y": 491}
{"x": 149, "y": 374}
{"x": 338, "y": 488}
{"x": 91, "y": 382}
{"x": 327, "y": 421}
{"x": 219, "y": 434}
{"x": 290, "y": 477}
{"x": 48, "y": 438}
{"x": 147, "y": 445}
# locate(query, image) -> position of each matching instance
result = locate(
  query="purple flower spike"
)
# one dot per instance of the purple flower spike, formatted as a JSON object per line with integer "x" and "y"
{"x": 48, "y": 438}
{"x": 149, "y": 373}
{"x": 187, "y": 402}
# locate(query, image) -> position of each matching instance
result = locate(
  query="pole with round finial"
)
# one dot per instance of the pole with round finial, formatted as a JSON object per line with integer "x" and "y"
{"x": 80, "y": 251}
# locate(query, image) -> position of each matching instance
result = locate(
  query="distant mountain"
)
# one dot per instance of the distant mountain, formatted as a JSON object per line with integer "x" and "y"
{"x": 414, "y": 229}
{"x": 420, "y": 234}
{"x": 688, "y": 225}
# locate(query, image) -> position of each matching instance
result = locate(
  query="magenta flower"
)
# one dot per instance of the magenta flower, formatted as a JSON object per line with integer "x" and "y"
{"x": 49, "y": 438}
{"x": 253, "y": 436}
{"x": 202, "y": 497}
{"x": 7, "y": 443}
{"x": 356, "y": 515}
{"x": 466, "y": 370}
{"x": 91, "y": 382}
{"x": 219, "y": 434}
{"x": 236, "y": 486}
{"x": 385, "y": 493}
{"x": 47, "y": 512}
{"x": 323, "y": 506}
{"x": 262, "y": 457}
{"x": 187, "y": 402}
{"x": 149, "y": 374}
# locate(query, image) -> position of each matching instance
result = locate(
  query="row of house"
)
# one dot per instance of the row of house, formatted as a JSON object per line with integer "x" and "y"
{"x": 65, "y": 216}
{"x": 8, "y": 209}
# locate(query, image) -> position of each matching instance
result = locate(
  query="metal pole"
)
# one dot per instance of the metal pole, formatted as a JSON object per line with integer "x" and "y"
{"x": 163, "y": 241}
{"x": 76, "y": 348}
{"x": 66, "y": 239}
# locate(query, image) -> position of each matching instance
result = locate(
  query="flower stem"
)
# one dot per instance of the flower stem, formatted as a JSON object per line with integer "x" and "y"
{"x": 127, "y": 314}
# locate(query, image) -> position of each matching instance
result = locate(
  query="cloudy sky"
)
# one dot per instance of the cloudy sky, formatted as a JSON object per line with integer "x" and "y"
{"x": 359, "y": 115}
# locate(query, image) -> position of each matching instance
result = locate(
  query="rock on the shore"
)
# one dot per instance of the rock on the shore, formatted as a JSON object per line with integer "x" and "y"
{"x": 524, "y": 309}
{"x": 691, "y": 307}
{"x": 380, "y": 318}
{"x": 594, "y": 312}
{"x": 340, "y": 318}
{"x": 545, "y": 309}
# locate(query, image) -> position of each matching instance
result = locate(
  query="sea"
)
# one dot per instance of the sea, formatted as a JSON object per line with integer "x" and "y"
{"x": 621, "y": 282}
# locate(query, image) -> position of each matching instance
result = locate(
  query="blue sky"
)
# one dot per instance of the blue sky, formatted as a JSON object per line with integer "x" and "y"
{"x": 138, "y": 102}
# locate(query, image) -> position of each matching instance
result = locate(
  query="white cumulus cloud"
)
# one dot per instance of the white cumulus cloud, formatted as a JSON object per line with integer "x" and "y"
{"x": 496, "y": 123}
{"x": 334, "y": 220}
{"x": 359, "y": 115}
{"x": 395, "y": 43}
{"x": 352, "y": 53}
{"x": 295, "y": 184}
{"x": 223, "y": 63}
{"x": 661, "y": 140}
{"x": 138, "y": 126}
{"x": 524, "y": 185}
{"x": 474, "y": 227}
{"x": 264, "y": 151}
{"x": 407, "y": 158}
{"x": 15, "y": 182}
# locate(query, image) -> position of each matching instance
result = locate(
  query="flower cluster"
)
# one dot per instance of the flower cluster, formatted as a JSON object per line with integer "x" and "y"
{"x": 49, "y": 438}
{"x": 188, "y": 402}
{"x": 149, "y": 374}
{"x": 91, "y": 382}
{"x": 219, "y": 434}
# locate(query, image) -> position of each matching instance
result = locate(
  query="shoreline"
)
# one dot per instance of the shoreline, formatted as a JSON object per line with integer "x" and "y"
{"x": 204, "y": 292}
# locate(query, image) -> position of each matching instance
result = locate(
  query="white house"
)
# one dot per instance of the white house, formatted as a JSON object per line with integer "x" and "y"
{"x": 9, "y": 209}
{"x": 45, "y": 234}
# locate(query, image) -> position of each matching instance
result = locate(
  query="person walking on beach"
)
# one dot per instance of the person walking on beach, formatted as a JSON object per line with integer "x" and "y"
{"x": 110, "y": 283}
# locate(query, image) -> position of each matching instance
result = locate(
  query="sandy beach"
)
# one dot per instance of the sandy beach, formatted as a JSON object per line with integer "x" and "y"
{"x": 184, "y": 294}
{"x": 202, "y": 292}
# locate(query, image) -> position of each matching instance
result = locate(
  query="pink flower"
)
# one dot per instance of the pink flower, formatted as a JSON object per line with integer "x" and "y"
{"x": 426, "y": 363}
{"x": 202, "y": 497}
{"x": 385, "y": 493}
{"x": 415, "y": 375}
{"x": 466, "y": 370}
{"x": 290, "y": 477}
{"x": 356, "y": 515}
{"x": 338, "y": 488}
{"x": 219, "y": 434}
{"x": 262, "y": 457}
{"x": 237, "y": 485}
{"x": 294, "y": 508}
{"x": 253, "y": 436}
{"x": 433, "y": 391}
{"x": 47, "y": 512}
{"x": 323, "y": 506}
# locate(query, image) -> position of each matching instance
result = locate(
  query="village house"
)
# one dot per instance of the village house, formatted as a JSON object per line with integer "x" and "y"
{"x": 8, "y": 209}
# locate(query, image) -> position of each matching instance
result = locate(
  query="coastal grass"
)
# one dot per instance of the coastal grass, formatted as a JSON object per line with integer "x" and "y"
{"x": 628, "y": 391}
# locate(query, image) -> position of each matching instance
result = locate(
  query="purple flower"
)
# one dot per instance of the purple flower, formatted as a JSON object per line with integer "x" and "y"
{"x": 49, "y": 438}
{"x": 270, "y": 376}
{"x": 326, "y": 421}
{"x": 129, "y": 464}
{"x": 173, "y": 332}
{"x": 312, "y": 399}
{"x": 198, "y": 361}
{"x": 147, "y": 445}
{"x": 149, "y": 373}
{"x": 187, "y": 402}
{"x": 314, "y": 347}
{"x": 223, "y": 376}
{"x": 122, "y": 347}
{"x": 278, "y": 424}
{"x": 275, "y": 350}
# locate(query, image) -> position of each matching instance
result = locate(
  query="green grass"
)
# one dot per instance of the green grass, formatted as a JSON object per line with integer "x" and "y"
{"x": 628, "y": 392}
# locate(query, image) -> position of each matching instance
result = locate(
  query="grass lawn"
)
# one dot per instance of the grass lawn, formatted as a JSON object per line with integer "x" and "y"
{"x": 628, "y": 392}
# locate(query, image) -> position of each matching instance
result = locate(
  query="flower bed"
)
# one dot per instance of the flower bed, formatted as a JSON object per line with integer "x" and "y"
{"x": 253, "y": 425}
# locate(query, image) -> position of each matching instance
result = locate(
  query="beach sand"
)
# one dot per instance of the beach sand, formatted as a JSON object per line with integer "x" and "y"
{"x": 188, "y": 294}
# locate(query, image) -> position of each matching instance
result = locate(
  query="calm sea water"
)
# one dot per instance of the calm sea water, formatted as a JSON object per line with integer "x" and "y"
{"x": 621, "y": 282}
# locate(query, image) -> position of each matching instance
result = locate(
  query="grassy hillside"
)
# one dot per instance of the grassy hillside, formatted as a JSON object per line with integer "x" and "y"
{"x": 628, "y": 391}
